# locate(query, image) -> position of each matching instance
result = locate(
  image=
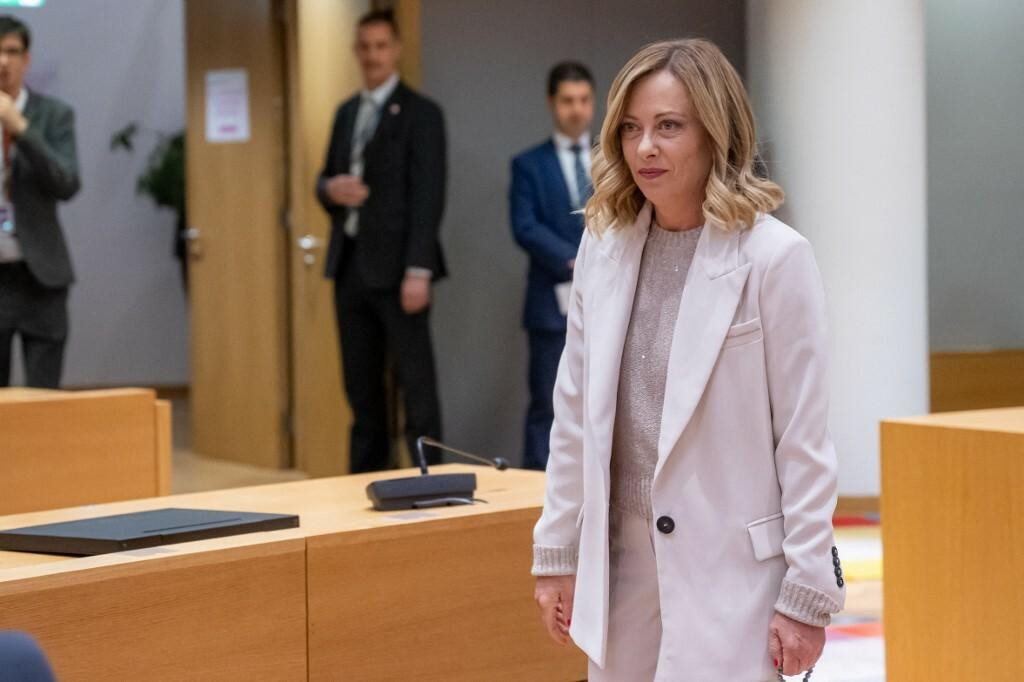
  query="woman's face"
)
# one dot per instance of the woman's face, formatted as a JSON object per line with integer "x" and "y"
{"x": 665, "y": 146}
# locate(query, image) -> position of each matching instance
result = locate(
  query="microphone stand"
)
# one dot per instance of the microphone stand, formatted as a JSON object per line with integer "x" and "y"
{"x": 499, "y": 463}
{"x": 429, "y": 490}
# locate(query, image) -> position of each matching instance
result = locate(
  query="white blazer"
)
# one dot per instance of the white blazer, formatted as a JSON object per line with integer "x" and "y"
{"x": 746, "y": 468}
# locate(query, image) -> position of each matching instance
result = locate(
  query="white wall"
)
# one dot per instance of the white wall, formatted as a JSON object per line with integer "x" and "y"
{"x": 116, "y": 61}
{"x": 838, "y": 88}
{"x": 975, "y": 65}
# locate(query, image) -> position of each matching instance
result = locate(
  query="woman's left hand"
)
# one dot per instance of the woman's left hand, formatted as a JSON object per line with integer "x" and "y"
{"x": 797, "y": 646}
{"x": 554, "y": 595}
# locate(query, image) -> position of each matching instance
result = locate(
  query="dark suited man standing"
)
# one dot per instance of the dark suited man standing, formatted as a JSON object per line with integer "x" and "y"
{"x": 40, "y": 168}
{"x": 383, "y": 184}
{"x": 550, "y": 182}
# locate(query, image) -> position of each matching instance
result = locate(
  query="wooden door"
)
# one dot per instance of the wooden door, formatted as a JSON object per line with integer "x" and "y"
{"x": 322, "y": 72}
{"x": 236, "y": 199}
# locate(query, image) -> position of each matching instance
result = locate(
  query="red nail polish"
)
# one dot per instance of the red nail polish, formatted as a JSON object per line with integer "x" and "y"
{"x": 775, "y": 662}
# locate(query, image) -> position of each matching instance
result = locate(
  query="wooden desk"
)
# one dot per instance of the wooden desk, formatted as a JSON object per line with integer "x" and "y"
{"x": 953, "y": 535}
{"x": 64, "y": 448}
{"x": 434, "y": 595}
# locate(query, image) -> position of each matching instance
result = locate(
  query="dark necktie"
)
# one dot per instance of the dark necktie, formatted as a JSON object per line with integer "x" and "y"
{"x": 583, "y": 187}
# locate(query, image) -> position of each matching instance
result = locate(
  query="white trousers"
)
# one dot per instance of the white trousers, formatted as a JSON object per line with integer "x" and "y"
{"x": 634, "y": 613}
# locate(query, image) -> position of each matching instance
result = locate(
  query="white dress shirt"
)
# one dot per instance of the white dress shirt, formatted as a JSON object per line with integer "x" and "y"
{"x": 567, "y": 160}
{"x": 371, "y": 102}
{"x": 371, "y": 107}
{"x": 10, "y": 249}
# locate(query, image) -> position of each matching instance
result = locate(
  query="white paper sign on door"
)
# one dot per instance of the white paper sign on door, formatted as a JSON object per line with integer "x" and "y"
{"x": 227, "y": 105}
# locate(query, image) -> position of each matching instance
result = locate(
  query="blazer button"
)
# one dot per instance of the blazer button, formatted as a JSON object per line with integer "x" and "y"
{"x": 665, "y": 524}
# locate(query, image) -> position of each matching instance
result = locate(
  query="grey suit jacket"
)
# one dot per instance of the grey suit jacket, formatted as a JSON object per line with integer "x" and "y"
{"x": 44, "y": 170}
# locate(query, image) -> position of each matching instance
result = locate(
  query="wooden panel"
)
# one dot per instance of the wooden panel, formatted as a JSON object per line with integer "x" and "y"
{"x": 322, "y": 72}
{"x": 456, "y": 596}
{"x": 953, "y": 532}
{"x": 407, "y": 15}
{"x": 163, "y": 449}
{"x": 62, "y": 449}
{"x": 236, "y": 198}
{"x": 1006, "y": 419}
{"x": 976, "y": 380}
{"x": 236, "y": 614}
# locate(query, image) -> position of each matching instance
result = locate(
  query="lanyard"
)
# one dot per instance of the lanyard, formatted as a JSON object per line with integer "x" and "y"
{"x": 8, "y": 145}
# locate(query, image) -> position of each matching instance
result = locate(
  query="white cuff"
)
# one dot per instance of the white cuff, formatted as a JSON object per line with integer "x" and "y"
{"x": 425, "y": 273}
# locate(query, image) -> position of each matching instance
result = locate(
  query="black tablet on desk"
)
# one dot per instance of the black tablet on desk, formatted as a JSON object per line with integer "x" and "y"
{"x": 138, "y": 530}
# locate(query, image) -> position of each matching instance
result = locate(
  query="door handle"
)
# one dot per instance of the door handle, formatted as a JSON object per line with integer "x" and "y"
{"x": 308, "y": 244}
{"x": 193, "y": 245}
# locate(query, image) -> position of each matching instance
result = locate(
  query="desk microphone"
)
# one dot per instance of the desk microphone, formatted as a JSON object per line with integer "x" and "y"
{"x": 429, "y": 490}
{"x": 499, "y": 463}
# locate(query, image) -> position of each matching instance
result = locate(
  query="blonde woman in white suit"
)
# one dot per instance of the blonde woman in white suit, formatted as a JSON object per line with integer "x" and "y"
{"x": 687, "y": 525}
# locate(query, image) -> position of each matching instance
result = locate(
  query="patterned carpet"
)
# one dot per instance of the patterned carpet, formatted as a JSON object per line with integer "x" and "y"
{"x": 855, "y": 651}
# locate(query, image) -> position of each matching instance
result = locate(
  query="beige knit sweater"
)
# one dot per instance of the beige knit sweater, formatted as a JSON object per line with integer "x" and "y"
{"x": 666, "y": 260}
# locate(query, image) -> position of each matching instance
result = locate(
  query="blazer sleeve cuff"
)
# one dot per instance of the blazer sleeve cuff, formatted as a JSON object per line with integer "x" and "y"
{"x": 554, "y": 560}
{"x": 805, "y": 604}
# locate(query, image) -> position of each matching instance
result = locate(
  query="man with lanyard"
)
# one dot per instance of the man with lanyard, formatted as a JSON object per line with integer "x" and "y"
{"x": 40, "y": 168}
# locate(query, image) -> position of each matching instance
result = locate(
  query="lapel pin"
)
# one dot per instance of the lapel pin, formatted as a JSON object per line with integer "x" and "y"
{"x": 394, "y": 109}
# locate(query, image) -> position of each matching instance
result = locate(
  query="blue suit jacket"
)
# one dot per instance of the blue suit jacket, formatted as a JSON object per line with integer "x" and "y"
{"x": 546, "y": 228}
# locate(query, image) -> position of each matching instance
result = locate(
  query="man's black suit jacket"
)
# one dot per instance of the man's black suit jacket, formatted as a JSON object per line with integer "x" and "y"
{"x": 44, "y": 170}
{"x": 404, "y": 165}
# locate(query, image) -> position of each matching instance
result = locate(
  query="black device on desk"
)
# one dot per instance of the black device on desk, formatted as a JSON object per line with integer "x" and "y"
{"x": 138, "y": 530}
{"x": 427, "y": 489}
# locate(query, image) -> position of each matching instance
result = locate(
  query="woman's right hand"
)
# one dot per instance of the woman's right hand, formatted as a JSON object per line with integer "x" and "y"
{"x": 554, "y": 597}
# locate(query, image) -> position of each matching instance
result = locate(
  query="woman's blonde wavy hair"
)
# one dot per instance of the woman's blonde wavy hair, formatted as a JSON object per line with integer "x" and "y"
{"x": 734, "y": 195}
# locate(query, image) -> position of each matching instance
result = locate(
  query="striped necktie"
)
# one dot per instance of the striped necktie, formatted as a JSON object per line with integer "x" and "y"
{"x": 366, "y": 123}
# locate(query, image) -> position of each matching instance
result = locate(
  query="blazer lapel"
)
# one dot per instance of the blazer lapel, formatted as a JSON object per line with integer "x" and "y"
{"x": 556, "y": 178}
{"x": 712, "y": 292}
{"x": 343, "y": 149}
{"x": 31, "y": 112}
{"x": 31, "y": 105}
{"x": 612, "y": 288}
{"x": 390, "y": 113}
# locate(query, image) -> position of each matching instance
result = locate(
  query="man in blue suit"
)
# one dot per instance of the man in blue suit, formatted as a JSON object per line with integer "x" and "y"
{"x": 550, "y": 182}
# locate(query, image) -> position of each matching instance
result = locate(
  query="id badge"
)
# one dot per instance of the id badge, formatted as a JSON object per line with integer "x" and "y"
{"x": 6, "y": 218}
{"x": 10, "y": 250}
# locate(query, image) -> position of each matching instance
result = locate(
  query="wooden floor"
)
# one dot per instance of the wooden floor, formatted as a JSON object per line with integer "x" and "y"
{"x": 192, "y": 473}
